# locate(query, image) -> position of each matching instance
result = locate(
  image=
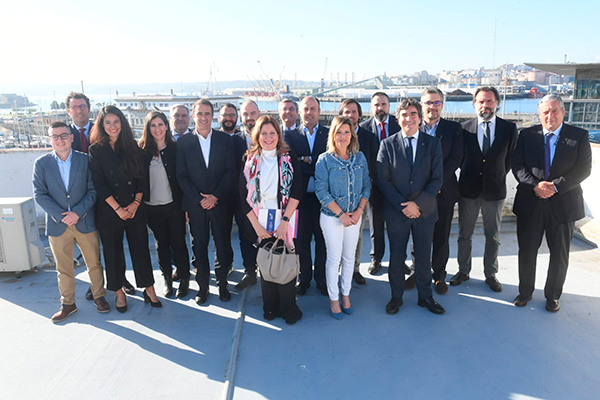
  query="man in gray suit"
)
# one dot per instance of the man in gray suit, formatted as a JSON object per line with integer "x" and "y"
{"x": 62, "y": 186}
{"x": 409, "y": 175}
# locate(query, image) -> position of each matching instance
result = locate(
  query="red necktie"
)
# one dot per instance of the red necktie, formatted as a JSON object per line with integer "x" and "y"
{"x": 83, "y": 140}
{"x": 382, "y": 134}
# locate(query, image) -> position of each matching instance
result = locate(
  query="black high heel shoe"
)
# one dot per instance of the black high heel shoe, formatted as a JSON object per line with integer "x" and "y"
{"x": 147, "y": 299}
{"x": 122, "y": 309}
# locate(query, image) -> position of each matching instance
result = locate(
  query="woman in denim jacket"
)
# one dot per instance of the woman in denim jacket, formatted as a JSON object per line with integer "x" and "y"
{"x": 343, "y": 187}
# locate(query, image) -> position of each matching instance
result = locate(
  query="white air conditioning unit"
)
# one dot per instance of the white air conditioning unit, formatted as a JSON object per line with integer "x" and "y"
{"x": 20, "y": 246}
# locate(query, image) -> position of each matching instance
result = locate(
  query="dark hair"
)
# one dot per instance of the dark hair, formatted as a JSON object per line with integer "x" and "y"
{"x": 282, "y": 102}
{"x": 346, "y": 103}
{"x": 230, "y": 105}
{"x": 147, "y": 141}
{"x": 59, "y": 124}
{"x": 255, "y": 148}
{"x": 380, "y": 94}
{"x": 77, "y": 95}
{"x": 487, "y": 89}
{"x": 204, "y": 102}
{"x": 407, "y": 102}
{"x": 433, "y": 90}
{"x": 126, "y": 148}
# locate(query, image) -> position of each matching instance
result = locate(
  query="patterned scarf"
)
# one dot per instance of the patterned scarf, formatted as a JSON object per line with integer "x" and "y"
{"x": 286, "y": 177}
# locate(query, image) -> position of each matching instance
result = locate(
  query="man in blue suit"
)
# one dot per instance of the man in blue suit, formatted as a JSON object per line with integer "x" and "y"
{"x": 410, "y": 175}
{"x": 62, "y": 186}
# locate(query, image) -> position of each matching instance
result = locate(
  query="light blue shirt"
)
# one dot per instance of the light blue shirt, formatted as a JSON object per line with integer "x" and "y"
{"x": 310, "y": 137}
{"x": 413, "y": 144}
{"x": 431, "y": 131}
{"x": 386, "y": 124}
{"x": 481, "y": 131}
{"x": 553, "y": 141}
{"x": 86, "y": 132}
{"x": 64, "y": 167}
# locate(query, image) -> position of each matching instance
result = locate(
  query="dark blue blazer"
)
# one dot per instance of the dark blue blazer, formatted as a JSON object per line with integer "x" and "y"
{"x": 450, "y": 135}
{"x": 76, "y": 141}
{"x": 51, "y": 194}
{"x": 486, "y": 176}
{"x": 193, "y": 176}
{"x": 297, "y": 141}
{"x": 571, "y": 165}
{"x": 399, "y": 184}
{"x": 371, "y": 125}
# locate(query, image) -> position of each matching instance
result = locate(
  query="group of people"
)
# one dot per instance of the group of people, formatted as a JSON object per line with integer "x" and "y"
{"x": 401, "y": 170}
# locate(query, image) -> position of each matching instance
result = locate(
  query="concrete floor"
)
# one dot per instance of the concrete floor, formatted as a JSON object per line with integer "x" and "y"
{"x": 482, "y": 348}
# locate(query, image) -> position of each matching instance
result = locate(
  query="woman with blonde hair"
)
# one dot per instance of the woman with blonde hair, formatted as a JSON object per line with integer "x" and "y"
{"x": 343, "y": 187}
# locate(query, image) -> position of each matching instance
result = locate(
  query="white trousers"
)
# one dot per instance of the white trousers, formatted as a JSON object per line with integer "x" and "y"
{"x": 341, "y": 245}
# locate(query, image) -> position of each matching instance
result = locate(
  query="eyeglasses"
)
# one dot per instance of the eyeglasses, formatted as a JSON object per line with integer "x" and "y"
{"x": 62, "y": 136}
{"x": 433, "y": 103}
{"x": 80, "y": 107}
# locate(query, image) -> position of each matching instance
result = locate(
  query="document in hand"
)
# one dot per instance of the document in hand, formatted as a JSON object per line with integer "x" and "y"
{"x": 270, "y": 220}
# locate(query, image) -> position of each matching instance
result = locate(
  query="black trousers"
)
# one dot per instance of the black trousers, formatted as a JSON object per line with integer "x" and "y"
{"x": 112, "y": 248}
{"x": 202, "y": 223}
{"x": 558, "y": 237}
{"x": 246, "y": 246}
{"x": 167, "y": 223}
{"x": 280, "y": 300}
{"x": 308, "y": 226}
{"x": 399, "y": 231}
{"x": 376, "y": 226}
{"x": 441, "y": 235}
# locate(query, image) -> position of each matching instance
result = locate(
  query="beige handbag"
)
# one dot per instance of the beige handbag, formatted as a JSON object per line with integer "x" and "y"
{"x": 276, "y": 262}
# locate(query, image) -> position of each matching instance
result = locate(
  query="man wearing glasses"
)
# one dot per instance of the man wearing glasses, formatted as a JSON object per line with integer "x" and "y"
{"x": 62, "y": 186}
{"x": 78, "y": 108}
{"x": 450, "y": 135}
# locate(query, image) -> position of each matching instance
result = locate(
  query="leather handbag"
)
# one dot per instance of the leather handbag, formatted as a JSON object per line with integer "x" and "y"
{"x": 276, "y": 262}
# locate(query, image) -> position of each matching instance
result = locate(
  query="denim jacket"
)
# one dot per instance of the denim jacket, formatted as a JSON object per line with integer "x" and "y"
{"x": 342, "y": 181}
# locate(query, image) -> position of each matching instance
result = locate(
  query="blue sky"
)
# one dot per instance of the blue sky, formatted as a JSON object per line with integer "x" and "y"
{"x": 179, "y": 41}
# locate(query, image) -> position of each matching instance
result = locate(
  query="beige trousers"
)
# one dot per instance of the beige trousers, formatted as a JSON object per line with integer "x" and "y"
{"x": 62, "y": 248}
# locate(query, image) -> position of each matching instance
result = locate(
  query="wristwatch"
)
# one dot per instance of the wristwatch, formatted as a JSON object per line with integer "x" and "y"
{"x": 286, "y": 219}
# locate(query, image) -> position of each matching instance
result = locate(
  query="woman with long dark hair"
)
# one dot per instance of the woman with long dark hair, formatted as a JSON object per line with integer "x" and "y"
{"x": 165, "y": 217}
{"x": 117, "y": 167}
{"x": 272, "y": 179}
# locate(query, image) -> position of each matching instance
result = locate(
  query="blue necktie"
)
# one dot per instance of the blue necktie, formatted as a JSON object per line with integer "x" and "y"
{"x": 486, "y": 138}
{"x": 547, "y": 154}
{"x": 409, "y": 151}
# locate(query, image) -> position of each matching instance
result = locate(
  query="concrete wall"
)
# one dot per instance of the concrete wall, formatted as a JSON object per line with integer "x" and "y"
{"x": 17, "y": 167}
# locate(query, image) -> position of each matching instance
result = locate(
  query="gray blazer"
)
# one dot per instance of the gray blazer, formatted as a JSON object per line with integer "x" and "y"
{"x": 50, "y": 193}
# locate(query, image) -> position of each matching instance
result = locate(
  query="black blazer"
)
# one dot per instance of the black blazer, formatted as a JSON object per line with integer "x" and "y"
{"x": 486, "y": 176}
{"x": 109, "y": 180}
{"x": 450, "y": 135}
{"x": 371, "y": 125}
{"x": 192, "y": 174}
{"x": 571, "y": 165}
{"x": 399, "y": 184}
{"x": 168, "y": 156}
{"x": 369, "y": 146}
{"x": 76, "y": 141}
{"x": 297, "y": 141}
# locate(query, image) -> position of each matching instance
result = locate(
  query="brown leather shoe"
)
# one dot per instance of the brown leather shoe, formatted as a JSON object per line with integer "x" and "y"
{"x": 102, "y": 305}
{"x": 63, "y": 313}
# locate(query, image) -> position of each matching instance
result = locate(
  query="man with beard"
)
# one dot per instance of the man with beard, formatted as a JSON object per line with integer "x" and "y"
{"x": 382, "y": 125}
{"x": 368, "y": 145}
{"x": 489, "y": 142}
{"x": 250, "y": 113}
{"x": 450, "y": 135}
{"x": 288, "y": 113}
{"x": 228, "y": 116}
{"x": 551, "y": 160}
{"x": 309, "y": 141}
{"x": 180, "y": 120}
